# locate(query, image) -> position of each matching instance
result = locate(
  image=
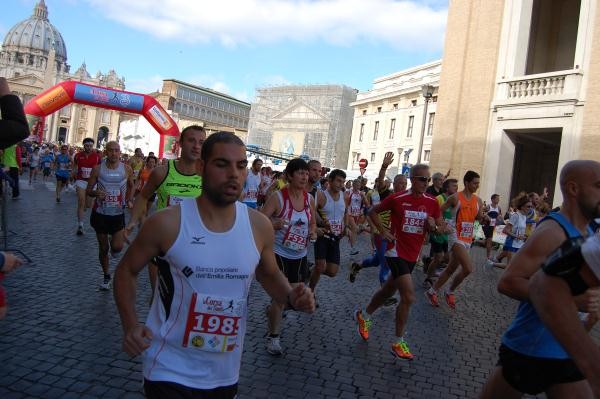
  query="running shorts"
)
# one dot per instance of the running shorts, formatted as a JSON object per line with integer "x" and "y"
{"x": 438, "y": 247}
{"x": 62, "y": 179}
{"x": 107, "y": 224}
{"x": 166, "y": 389}
{"x": 81, "y": 184}
{"x": 488, "y": 231}
{"x": 296, "y": 270}
{"x": 453, "y": 239}
{"x": 46, "y": 171}
{"x": 328, "y": 249}
{"x": 399, "y": 267}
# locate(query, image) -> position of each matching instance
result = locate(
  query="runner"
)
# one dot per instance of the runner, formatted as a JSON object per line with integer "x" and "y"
{"x": 531, "y": 360}
{"x": 143, "y": 177}
{"x": 514, "y": 230}
{"x": 114, "y": 191}
{"x": 314, "y": 177}
{"x": 466, "y": 208}
{"x": 439, "y": 241}
{"x": 84, "y": 161}
{"x": 290, "y": 211}
{"x": 171, "y": 183}
{"x": 332, "y": 208}
{"x": 356, "y": 201}
{"x": 137, "y": 164}
{"x": 63, "y": 165}
{"x": 34, "y": 165}
{"x": 413, "y": 214}
{"x": 251, "y": 186}
{"x": 193, "y": 339}
{"x": 47, "y": 163}
{"x": 493, "y": 218}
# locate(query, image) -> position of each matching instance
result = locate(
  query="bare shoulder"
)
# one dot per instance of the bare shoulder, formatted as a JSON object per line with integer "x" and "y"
{"x": 162, "y": 227}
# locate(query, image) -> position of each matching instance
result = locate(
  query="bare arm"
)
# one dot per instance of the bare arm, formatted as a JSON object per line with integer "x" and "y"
{"x": 272, "y": 208}
{"x": 130, "y": 190}
{"x": 450, "y": 203}
{"x": 388, "y": 158}
{"x": 528, "y": 260}
{"x": 155, "y": 179}
{"x": 92, "y": 182}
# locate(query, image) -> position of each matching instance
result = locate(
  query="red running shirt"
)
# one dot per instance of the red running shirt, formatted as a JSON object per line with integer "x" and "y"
{"x": 409, "y": 220}
{"x": 85, "y": 163}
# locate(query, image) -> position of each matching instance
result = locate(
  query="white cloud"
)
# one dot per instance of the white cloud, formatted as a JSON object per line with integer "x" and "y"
{"x": 405, "y": 24}
{"x": 145, "y": 85}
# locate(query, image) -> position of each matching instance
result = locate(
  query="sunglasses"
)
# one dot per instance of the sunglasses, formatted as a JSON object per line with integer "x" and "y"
{"x": 423, "y": 179}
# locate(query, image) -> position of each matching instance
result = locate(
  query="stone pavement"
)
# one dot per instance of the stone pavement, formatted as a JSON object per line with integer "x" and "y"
{"x": 62, "y": 337}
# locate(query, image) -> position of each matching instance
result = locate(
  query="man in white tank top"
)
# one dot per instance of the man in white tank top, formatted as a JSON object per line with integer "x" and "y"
{"x": 193, "y": 338}
{"x": 252, "y": 184}
{"x": 111, "y": 185}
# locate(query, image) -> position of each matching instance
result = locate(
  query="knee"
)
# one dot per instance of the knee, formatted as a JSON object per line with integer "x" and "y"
{"x": 466, "y": 270}
{"x": 116, "y": 248}
{"x": 330, "y": 273}
{"x": 407, "y": 298}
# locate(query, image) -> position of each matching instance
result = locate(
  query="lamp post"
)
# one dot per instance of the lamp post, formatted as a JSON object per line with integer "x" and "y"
{"x": 427, "y": 94}
{"x": 400, "y": 149}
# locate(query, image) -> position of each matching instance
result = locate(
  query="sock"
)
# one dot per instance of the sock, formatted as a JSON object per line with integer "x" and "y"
{"x": 399, "y": 339}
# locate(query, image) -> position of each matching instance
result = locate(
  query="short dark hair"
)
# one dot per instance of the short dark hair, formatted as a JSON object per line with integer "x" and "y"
{"x": 469, "y": 176}
{"x": 447, "y": 183}
{"x": 335, "y": 173}
{"x": 295, "y": 165}
{"x": 191, "y": 127}
{"x": 218, "y": 137}
{"x": 256, "y": 160}
{"x": 494, "y": 196}
{"x": 149, "y": 157}
{"x": 313, "y": 161}
{"x": 88, "y": 140}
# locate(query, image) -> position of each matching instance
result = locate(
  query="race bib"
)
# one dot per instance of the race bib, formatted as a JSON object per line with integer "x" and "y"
{"x": 113, "y": 199}
{"x": 492, "y": 222}
{"x": 174, "y": 200}
{"x": 250, "y": 195}
{"x": 336, "y": 227}
{"x": 213, "y": 323}
{"x": 296, "y": 235}
{"x": 86, "y": 172}
{"x": 355, "y": 210}
{"x": 466, "y": 229}
{"x": 414, "y": 222}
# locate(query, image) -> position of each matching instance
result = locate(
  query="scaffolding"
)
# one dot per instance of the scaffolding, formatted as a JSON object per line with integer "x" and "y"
{"x": 314, "y": 121}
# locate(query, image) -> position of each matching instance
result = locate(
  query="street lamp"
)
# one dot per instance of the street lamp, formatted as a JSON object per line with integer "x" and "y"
{"x": 400, "y": 149}
{"x": 427, "y": 94}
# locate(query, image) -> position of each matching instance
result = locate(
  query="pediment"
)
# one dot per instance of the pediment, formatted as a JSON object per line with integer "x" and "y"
{"x": 299, "y": 111}
{"x": 27, "y": 80}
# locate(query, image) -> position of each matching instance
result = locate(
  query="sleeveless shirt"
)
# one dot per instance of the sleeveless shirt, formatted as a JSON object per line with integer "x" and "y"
{"x": 114, "y": 183}
{"x": 176, "y": 186}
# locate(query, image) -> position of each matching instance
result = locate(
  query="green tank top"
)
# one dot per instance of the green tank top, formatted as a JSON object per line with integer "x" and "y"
{"x": 177, "y": 186}
{"x": 447, "y": 215}
{"x": 9, "y": 158}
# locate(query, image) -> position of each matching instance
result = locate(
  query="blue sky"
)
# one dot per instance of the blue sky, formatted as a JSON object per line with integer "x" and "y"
{"x": 236, "y": 46}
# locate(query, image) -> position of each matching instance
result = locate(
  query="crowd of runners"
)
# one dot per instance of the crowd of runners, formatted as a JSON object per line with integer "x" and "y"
{"x": 221, "y": 221}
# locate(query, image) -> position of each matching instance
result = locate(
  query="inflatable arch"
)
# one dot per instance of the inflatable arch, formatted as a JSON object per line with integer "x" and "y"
{"x": 69, "y": 92}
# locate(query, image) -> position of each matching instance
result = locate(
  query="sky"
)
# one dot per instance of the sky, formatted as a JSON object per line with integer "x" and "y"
{"x": 237, "y": 46}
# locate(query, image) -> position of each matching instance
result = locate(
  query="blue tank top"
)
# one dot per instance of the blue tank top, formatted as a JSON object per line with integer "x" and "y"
{"x": 527, "y": 334}
{"x": 62, "y": 165}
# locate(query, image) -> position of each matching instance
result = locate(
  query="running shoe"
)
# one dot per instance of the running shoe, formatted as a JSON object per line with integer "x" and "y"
{"x": 80, "y": 230}
{"x": 105, "y": 285}
{"x": 401, "y": 351}
{"x": 391, "y": 301}
{"x": 57, "y": 199}
{"x": 274, "y": 346}
{"x": 427, "y": 283}
{"x": 354, "y": 269}
{"x": 362, "y": 324}
{"x": 354, "y": 252}
{"x": 450, "y": 300}
{"x": 432, "y": 298}
{"x": 489, "y": 263}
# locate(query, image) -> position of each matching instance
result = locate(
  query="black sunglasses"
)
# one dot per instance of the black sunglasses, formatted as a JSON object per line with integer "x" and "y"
{"x": 423, "y": 179}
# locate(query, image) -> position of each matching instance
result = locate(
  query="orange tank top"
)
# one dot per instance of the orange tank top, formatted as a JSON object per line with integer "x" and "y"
{"x": 143, "y": 177}
{"x": 465, "y": 217}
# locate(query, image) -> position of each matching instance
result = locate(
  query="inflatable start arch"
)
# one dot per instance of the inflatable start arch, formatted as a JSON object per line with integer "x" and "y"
{"x": 69, "y": 92}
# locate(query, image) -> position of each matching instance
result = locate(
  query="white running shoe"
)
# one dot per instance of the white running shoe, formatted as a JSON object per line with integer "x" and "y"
{"x": 274, "y": 346}
{"x": 105, "y": 285}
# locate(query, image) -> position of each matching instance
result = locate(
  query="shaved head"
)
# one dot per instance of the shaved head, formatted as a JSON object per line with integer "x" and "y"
{"x": 580, "y": 185}
{"x": 578, "y": 171}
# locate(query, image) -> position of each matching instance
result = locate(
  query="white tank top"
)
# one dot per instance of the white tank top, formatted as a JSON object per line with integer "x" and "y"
{"x": 198, "y": 315}
{"x": 292, "y": 240}
{"x": 251, "y": 187}
{"x": 334, "y": 212}
{"x": 355, "y": 203}
{"x": 114, "y": 183}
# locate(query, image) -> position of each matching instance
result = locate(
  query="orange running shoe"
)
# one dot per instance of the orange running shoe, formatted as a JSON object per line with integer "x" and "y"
{"x": 450, "y": 300}
{"x": 362, "y": 324}
{"x": 432, "y": 298}
{"x": 401, "y": 351}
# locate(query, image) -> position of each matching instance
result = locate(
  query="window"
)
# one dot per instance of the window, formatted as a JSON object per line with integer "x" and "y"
{"x": 372, "y": 157}
{"x": 362, "y": 132}
{"x": 392, "y": 128}
{"x": 395, "y": 106}
{"x": 376, "y": 130}
{"x": 378, "y": 109}
{"x": 364, "y": 111}
{"x": 413, "y": 103}
{"x": 430, "y": 124}
{"x": 426, "y": 155}
{"x": 105, "y": 117}
{"x": 411, "y": 122}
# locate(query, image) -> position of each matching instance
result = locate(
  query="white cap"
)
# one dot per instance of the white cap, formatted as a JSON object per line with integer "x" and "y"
{"x": 590, "y": 250}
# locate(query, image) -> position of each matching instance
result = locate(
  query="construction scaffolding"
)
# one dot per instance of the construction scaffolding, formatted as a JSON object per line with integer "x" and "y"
{"x": 314, "y": 121}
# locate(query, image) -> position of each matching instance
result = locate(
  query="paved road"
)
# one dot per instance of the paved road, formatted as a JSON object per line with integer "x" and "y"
{"x": 62, "y": 336}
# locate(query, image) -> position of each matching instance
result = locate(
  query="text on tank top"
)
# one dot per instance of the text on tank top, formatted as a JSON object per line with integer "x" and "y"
{"x": 355, "y": 203}
{"x": 333, "y": 211}
{"x": 199, "y": 312}
{"x": 114, "y": 183}
{"x": 177, "y": 186}
{"x": 291, "y": 241}
{"x": 465, "y": 217}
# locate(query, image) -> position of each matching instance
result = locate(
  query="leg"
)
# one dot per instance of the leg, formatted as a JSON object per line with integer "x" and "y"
{"x": 59, "y": 187}
{"x": 117, "y": 242}
{"x": 103, "y": 251}
{"x": 488, "y": 247}
{"x": 14, "y": 173}
{"x": 497, "y": 387}
{"x": 315, "y": 275}
{"x": 448, "y": 271}
{"x": 80, "y": 203}
{"x": 464, "y": 260}
{"x": 384, "y": 292}
{"x": 572, "y": 390}
{"x": 331, "y": 269}
{"x": 274, "y": 313}
{"x": 404, "y": 285}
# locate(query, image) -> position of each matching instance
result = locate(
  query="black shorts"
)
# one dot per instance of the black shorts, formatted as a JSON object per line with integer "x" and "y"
{"x": 63, "y": 180}
{"x": 107, "y": 224}
{"x": 328, "y": 249}
{"x": 171, "y": 390}
{"x": 488, "y": 231}
{"x": 296, "y": 270}
{"x": 398, "y": 266}
{"x": 46, "y": 171}
{"x": 534, "y": 375}
{"x": 438, "y": 247}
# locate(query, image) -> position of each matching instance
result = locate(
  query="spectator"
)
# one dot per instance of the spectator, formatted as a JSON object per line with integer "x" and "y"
{"x": 13, "y": 125}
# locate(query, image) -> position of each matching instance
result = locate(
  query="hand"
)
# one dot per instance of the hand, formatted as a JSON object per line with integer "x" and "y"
{"x": 4, "y": 89}
{"x": 448, "y": 172}
{"x": 11, "y": 262}
{"x": 100, "y": 194}
{"x": 128, "y": 230}
{"x": 130, "y": 204}
{"x": 278, "y": 223}
{"x": 313, "y": 236}
{"x": 302, "y": 299}
{"x": 320, "y": 231}
{"x": 388, "y": 236}
{"x": 137, "y": 340}
{"x": 589, "y": 301}
{"x": 388, "y": 158}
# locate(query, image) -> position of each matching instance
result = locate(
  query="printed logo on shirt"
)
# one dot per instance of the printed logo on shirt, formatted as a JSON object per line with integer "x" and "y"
{"x": 187, "y": 271}
{"x": 197, "y": 240}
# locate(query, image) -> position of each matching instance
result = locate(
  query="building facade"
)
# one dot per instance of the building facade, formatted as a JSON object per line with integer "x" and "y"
{"x": 397, "y": 115}
{"x": 519, "y": 93}
{"x": 312, "y": 120}
{"x": 33, "y": 58}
